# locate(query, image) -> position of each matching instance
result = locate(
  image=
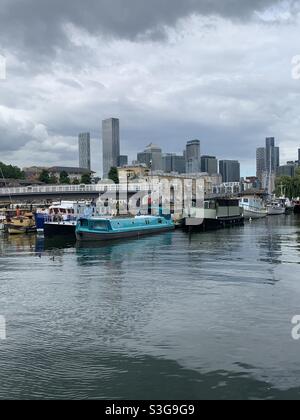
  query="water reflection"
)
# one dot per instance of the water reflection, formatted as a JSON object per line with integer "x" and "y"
{"x": 165, "y": 316}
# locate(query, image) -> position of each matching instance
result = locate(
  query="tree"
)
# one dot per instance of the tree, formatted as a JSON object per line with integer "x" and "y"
{"x": 64, "y": 178}
{"x": 53, "y": 180}
{"x": 114, "y": 175}
{"x": 44, "y": 177}
{"x": 290, "y": 186}
{"x": 11, "y": 172}
{"x": 76, "y": 181}
{"x": 86, "y": 179}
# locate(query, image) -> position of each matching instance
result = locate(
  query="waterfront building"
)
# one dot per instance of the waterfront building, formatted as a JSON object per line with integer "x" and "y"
{"x": 111, "y": 144}
{"x": 151, "y": 157}
{"x": 123, "y": 160}
{"x": 209, "y": 164}
{"x": 84, "y": 144}
{"x": 173, "y": 163}
{"x": 230, "y": 170}
{"x": 193, "y": 157}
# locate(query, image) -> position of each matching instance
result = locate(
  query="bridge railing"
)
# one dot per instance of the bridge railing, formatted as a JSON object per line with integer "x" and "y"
{"x": 53, "y": 189}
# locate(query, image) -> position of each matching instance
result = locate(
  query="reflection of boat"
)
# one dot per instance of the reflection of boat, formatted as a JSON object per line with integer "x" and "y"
{"x": 297, "y": 206}
{"x": 253, "y": 207}
{"x": 106, "y": 229}
{"x": 2, "y": 221}
{"x": 276, "y": 208}
{"x": 21, "y": 225}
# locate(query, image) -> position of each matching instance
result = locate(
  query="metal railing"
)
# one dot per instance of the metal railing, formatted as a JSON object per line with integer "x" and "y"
{"x": 53, "y": 189}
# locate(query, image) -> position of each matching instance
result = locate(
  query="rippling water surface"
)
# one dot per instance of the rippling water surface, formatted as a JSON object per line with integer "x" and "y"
{"x": 164, "y": 317}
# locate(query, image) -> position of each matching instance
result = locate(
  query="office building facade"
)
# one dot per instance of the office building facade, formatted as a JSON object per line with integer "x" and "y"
{"x": 193, "y": 157}
{"x": 173, "y": 163}
{"x": 230, "y": 170}
{"x": 111, "y": 144}
{"x": 84, "y": 144}
{"x": 151, "y": 157}
{"x": 209, "y": 164}
{"x": 123, "y": 161}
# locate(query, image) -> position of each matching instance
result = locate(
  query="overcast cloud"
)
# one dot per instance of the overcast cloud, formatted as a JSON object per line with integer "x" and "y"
{"x": 171, "y": 70}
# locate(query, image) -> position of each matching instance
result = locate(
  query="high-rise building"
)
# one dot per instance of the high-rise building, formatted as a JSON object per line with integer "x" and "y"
{"x": 84, "y": 143}
{"x": 111, "y": 144}
{"x": 260, "y": 162}
{"x": 272, "y": 155}
{"x": 123, "y": 161}
{"x": 209, "y": 164}
{"x": 230, "y": 170}
{"x": 298, "y": 157}
{"x": 193, "y": 157}
{"x": 151, "y": 157}
{"x": 173, "y": 163}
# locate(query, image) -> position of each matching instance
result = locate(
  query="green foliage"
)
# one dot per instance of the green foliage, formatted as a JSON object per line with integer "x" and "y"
{"x": 64, "y": 178}
{"x": 53, "y": 180}
{"x": 11, "y": 172}
{"x": 114, "y": 175}
{"x": 290, "y": 186}
{"x": 44, "y": 177}
{"x": 86, "y": 179}
{"x": 76, "y": 181}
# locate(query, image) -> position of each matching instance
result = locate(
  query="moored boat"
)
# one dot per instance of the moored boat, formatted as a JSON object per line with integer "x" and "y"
{"x": 253, "y": 207}
{"x": 21, "y": 225}
{"x": 106, "y": 229}
{"x": 276, "y": 208}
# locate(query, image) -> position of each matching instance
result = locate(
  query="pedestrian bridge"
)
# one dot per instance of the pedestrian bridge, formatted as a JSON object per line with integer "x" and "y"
{"x": 50, "y": 192}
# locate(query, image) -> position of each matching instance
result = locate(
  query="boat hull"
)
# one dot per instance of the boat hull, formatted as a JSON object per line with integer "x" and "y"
{"x": 276, "y": 211}
{"x": 59, "y": 229}
{"x": 249, "y": 214}
{"x": 109, "y": 236}
{"x": 19, "y": 230}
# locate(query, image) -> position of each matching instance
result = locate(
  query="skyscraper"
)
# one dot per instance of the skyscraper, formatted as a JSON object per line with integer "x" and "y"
{"x": 123, "y": 161}
{"x": 193, "y": 157}
{"x": 152, "y": 157}
{"x": 209, "y": 164}
{"x": 230, "y": 170}
{"x": 111, "y": 144}
{"x": 272, "y": 155}
{"x": 84, "y": 143}
{"x": 260, "y": 162}
{"x": 173, "y": 163}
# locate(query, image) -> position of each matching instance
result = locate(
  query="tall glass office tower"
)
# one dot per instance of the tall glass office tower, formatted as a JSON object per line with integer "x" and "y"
{"x": 111, "y": 144}
{"x": 84, "y": 142}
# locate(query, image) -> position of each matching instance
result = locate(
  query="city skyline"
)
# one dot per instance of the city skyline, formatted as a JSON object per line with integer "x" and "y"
{"x": 156, "y": 72}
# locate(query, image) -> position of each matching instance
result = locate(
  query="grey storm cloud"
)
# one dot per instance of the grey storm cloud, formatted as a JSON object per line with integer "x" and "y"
{"x": 38, "y": 24}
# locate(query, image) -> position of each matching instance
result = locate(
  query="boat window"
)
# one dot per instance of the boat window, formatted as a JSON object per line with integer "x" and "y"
{"x": 160, "y": 221}
{"x": 84, "y": 223}
{"x": 99, "y": 225}
{"x": 246, "y": 200}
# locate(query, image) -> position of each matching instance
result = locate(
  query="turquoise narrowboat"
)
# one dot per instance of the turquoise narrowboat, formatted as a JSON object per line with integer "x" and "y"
{"x": 106, "y": 229}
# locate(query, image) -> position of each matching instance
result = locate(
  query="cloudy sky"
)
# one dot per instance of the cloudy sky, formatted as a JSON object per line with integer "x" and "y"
{"x": 171, "y": 70}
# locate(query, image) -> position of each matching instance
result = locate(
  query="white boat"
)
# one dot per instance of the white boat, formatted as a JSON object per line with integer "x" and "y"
{"x": 276, "y": 208}
{"x": 253, "y": 207}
